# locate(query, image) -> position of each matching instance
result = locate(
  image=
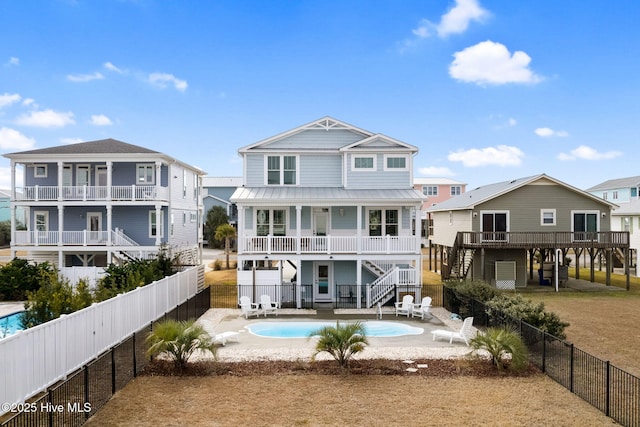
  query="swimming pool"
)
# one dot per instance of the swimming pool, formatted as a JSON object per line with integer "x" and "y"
{"x": 297, "y": 329}
{"x": 10, "y": 324}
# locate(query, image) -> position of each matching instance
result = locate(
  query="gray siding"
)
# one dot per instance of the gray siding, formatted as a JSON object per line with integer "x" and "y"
{"x": 524, "y": 206}
{"x": 378, "y": 178}
{"x": 316, "y": 140}
{"x": 321, "y": 170}
{"x": 254, "y": 164}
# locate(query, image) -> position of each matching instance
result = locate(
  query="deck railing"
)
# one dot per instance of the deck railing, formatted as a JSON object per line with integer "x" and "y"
{"x": 72, "y": 238}
{"x": 560, "y": 239}
{"x": 92, "y": 192}
{"x": 329, "y": 244}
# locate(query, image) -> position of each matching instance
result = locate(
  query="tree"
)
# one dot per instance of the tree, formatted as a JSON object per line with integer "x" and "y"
{"x": 226, "y": 232}
{"x": 341, "y": 342}
{"x": 504, "y": 345}
{"x": 179, "y": 340}
{"x": 216, "y": 216}
{"x": 19, "y": 277}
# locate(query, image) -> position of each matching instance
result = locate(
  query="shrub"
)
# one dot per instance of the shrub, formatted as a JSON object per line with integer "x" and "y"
{"x": 341, "y": 342}
{"x": 19, "y": 277}
{"x": 54, "y": 298}
{"x": 533, "y": 313}
{"x": 505, "y": 346}
{"x": 178, "y": 340}
{"x": 217, "y": 265}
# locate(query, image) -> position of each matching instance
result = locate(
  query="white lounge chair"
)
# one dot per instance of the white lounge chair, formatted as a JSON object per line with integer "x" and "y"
{"x": 464, "y": 334}
{"x": 267, "y": 306}
{"x": 421, "y": 310}
{"x": 223, "y": 337}
{"x": 404, "y": 307}
{"x": 248, "y": 308}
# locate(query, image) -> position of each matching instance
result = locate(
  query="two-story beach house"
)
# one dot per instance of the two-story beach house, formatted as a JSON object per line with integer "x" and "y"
{"x": 497, "y": 232}
{"x": 436, "y": 190}
{"x": 100, "y": 202}
{"x": 337, "y": 204}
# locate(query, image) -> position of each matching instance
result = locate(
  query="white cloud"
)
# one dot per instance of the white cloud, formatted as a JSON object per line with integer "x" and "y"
{"x": 81, "y": 78}
{"x": 5, "y": 178}
{"x": 29, "y": 102}
{"x": 457, "y": 19}
{"x": 492, "y": 63}
{"x": 512, "y": 121}
{"x": 109, "y": 66}
{"x": 11, "y": 139}
{"x": 548, "y": 132}
{"x": 435, "y": 171}
{"x": 161, "y": 80}
{"x": 7, "y": 99}
{"x": 46, "y": 119}
{"x": 100, "y": 120}
{"x": 502, "y": 155}
{"x": 587, "y": 153}
{"x": 13, "y": 61}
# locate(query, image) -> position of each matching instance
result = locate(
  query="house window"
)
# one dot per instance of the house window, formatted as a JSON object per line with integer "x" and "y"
{"x": 195, "y": 186}
{"x": 634, "y": 192}
{"x": 430, "y": 190}
{"x": 40, "y": 171}
{"x": 456, "y": 190}
{"x": 363, "y": 163}
{"x": 157, "y": 227}
{"x": 547, "y": 217}
{"x": 192, "y": 217}
{"x": 395, "y": 163}
{"x": 584, "y": 225}
{"x": 146, "y": 175}
{"x": 494, "y": 226}
{"x": 383, "y": 222}
{"x": 615, "y": 195}
{"x": 605, "y": 195}
{"x": 41, "y": 220}
{"x": 626, "y": 224}
{"x": 184, "y": 184}
{"x": 282, "y": 170}
{"x": 271, "y": 221}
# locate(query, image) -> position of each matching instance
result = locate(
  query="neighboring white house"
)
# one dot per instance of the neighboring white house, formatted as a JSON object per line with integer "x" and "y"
{"x": 98, "y": 202}
{"x": 337, "y": 203}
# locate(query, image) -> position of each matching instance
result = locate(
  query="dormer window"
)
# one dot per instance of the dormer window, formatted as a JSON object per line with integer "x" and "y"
{"x": 282, "y": 170}
{"x": 395, "y": 163}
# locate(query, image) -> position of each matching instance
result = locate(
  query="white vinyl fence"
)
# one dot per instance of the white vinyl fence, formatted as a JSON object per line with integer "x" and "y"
{"x": 34, "y": 359}
{"x": 91, "y": 274}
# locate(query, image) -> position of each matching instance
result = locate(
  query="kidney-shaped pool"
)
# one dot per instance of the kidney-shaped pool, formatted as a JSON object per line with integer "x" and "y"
{"x": 298, "y": 329}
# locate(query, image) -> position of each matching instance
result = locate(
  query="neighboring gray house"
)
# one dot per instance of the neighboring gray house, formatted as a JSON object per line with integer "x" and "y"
{"x": 217, "y": 191}
{"x": 491, "y": 232}
{"x": 335, "y": 202}
{"x": 100, "y": 202}
{"x": 620, "y": 190}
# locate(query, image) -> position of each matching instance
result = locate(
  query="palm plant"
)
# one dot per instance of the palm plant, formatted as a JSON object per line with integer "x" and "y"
{"x": 226, "y": 232}
{"x": 341, "y": 341}
{"x": 179, "y": 340}
{"x": 502, "y": 344}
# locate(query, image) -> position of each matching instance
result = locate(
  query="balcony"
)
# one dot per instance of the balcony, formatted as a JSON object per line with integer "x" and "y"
{"x": 329, "y": 245}
{"x": 549, "y": 240}
{"x": 72, "y": 238}
{"x": 133, "y": 193}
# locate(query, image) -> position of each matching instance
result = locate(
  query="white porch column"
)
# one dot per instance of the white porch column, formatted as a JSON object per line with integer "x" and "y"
{"x": 241, "y": 232}
{"x": 160, "y": 225}
{"x": 298, "y": 228}
{"x": 60, "y": 224}
{"x": 109, "y": 179}
{"x": 359, "y": 283}
{"x": 60, "y": 180}
{"x": 359, "y": 229}
{"x": 158, "y": 177}
{"x": 109, "y": 224}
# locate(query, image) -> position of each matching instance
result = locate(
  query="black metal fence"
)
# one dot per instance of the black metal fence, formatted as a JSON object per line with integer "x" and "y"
{"x": 72, "y": 401}
{"x": 612, "y": 390}
{"x": 227, "y": 296}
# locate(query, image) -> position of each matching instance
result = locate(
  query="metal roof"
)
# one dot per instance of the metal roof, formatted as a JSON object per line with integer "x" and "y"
{"x": 323, "y": 196}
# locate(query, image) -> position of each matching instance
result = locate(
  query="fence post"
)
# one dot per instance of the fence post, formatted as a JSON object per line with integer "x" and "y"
{"x": 113, "y": 372}
{"x": 86, "y": 390}
{"x": 135, "y": 367}
{"x": 571, "y": 368}
{"x": 544, "y": 352}
{"x": 608, "y": 389}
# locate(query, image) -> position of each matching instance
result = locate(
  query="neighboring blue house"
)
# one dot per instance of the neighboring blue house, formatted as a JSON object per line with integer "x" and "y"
{"x": 337, "y": 203}
{"x": 101, "y": 202}
{"x": 619, "y": 190}
{"x": 217, "y": 191}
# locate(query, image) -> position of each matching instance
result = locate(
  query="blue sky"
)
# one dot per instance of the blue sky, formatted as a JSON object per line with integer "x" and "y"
{"x": 487, "y": 90}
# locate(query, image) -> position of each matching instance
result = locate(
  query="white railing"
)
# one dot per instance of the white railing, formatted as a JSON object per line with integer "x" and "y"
{"x": 72, "y": 238}
{"x": 386, "y": 283}
{"x": 34, "y": 359}
{"x": 329, "y": 244}
{"x": 92, "y": 192}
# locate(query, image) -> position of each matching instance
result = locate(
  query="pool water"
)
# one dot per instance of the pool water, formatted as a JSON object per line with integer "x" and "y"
{"x": 303, "y": 329}
{"x": 10, "y": 324}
